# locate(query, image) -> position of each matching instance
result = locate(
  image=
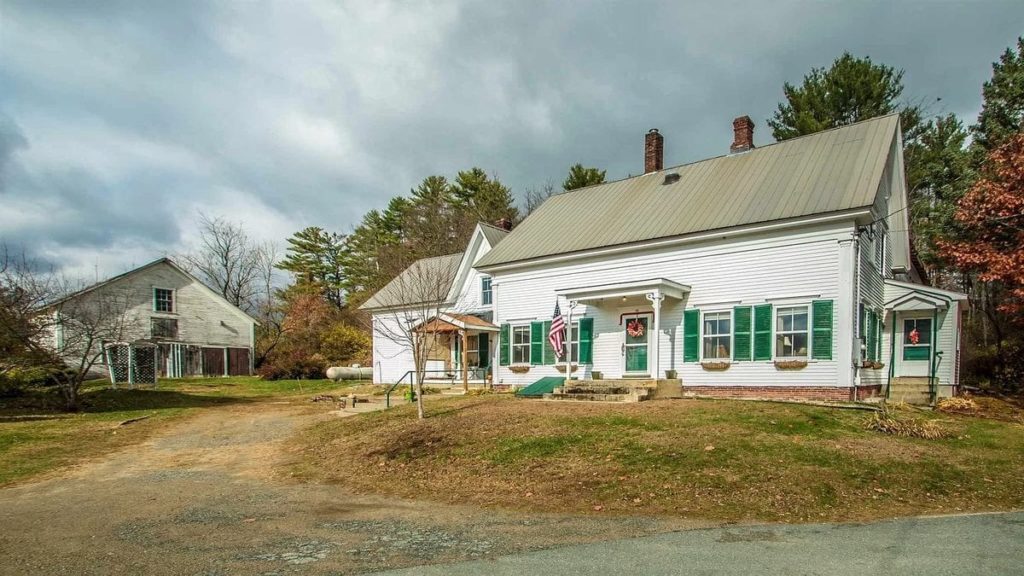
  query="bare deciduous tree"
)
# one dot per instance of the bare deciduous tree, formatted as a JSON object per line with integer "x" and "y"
{"x": 535, "y": 197}
{"x": 230, "y": 262}
{"x": 82, "y": 326}
{"x": 407, "y": 304}
{"x": 42, "y": 327}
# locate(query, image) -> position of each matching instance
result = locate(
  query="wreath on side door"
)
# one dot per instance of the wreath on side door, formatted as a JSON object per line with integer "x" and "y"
{"x": 635, "y": 329}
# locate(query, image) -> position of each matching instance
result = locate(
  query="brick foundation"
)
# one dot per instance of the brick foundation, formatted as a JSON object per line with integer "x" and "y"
{"x": 827, "y": 393}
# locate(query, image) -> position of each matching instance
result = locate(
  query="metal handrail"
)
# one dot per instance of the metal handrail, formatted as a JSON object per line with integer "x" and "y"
{"x": 480, "y": 372}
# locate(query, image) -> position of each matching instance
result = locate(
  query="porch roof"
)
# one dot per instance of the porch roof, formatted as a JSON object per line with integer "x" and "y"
{"x": 659, "y": 286}
{"x": 451, "y": 322}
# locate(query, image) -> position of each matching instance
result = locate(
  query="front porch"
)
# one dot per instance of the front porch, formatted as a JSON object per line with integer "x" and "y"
{"x": 923, "y": 341}
{"x": 629, "y": 342}
{"x": 459, "y": 351}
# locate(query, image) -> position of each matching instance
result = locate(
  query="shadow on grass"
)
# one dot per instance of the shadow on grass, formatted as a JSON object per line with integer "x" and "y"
{"x": 46, "y": 404}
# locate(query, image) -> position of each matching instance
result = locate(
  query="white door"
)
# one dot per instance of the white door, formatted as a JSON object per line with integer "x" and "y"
{"x": 914, "y": 335}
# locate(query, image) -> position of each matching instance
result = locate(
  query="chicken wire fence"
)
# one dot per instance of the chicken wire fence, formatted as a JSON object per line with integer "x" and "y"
{"x": 132, "y": 363}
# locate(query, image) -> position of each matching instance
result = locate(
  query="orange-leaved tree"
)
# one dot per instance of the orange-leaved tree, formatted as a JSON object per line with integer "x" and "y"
{"x": 990, "y": 243}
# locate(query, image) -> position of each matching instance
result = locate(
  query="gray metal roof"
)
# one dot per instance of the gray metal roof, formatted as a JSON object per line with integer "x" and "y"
{"x": 424, "y": 281}
{"x": 493, "y": 234}
{"x": 830, "y": 171}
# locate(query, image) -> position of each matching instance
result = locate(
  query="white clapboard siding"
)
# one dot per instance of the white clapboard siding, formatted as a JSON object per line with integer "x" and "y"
{"x": 203, "y": 318}
{"x": 948, "y": 332}
{"x": 392, "y": 357}
{"x": 801, "y": 264}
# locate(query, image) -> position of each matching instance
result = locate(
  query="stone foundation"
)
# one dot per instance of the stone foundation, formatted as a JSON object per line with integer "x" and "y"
{"x": 825, "y": 393}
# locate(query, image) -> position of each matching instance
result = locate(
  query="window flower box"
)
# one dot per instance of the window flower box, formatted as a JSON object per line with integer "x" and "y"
{"x": 561, "y": 367}
{"x": 715, "y": 366}
{"x": 519, "y": 368}
{"x": 790, "y": 364}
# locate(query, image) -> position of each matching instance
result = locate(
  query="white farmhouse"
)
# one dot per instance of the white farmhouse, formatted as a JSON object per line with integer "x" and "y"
{"x": 447, "y": 298}
{"x": 779, "y": 271}
{"x": 189, "y": 329}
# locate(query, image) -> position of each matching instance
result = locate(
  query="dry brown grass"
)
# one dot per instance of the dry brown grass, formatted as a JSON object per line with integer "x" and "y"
{"x": 906, "y": 427}
{"x": 723, "y": 460}
{"x": 958, "y": 405}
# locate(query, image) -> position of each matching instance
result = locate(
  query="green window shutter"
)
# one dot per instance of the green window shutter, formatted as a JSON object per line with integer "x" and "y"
{"x": 821, "y": 321}
{"x": 483, "y": 349}
{"x": 586, "y": 341}
{"x": 763, "y": 332}
{"x": 691, "y": 335}
{"x": 743, "y": 333}
{"x": 536, "y": 343}
{"x": 878, "y": 338}
{"x": 872, "y": 342}
{"x": 504, "y": 343}
{"x": 549, "y": 351}
{"x": 872, "y": 335}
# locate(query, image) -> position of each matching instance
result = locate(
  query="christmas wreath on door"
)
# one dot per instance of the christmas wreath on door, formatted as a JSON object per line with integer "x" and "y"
{"x": 635, "y": 329}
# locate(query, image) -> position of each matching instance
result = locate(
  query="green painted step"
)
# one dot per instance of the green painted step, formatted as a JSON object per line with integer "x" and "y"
{"x": 538, "y": 389}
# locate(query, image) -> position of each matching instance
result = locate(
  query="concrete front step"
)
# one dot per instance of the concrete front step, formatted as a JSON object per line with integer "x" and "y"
{"x": 578, "y": 397}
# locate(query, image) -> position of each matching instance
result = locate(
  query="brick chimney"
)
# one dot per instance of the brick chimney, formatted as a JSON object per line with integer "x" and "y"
{"x": 742, "y": 134}
{"x": 654, "y": 151}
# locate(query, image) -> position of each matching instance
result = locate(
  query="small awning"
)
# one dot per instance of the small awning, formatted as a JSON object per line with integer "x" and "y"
{"x": 594, "y": 293}
{"x": 450, "y": 322}
{"x": 917, "y": 301}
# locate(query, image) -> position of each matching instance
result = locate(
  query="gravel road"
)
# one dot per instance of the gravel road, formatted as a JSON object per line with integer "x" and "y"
{"x": 211, "y": 495}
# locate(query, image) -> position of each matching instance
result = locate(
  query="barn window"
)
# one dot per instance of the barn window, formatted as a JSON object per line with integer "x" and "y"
{"x": 163, "y": 328}
{"x": 163, "y": 300}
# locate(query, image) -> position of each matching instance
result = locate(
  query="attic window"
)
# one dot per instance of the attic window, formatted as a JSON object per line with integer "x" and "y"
{"x": 163, "y": 300}
{"x": 671, "y": 178}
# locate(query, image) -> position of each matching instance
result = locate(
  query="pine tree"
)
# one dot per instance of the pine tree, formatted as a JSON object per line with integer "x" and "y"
{"x": 315, "y": 258}
{"x": 487, "y": 199}
{"x": 580, "y": 177}
{"x": 938, "y": 175}
{"x": 851, "y": 90}
{"x": 1002, "y": 109}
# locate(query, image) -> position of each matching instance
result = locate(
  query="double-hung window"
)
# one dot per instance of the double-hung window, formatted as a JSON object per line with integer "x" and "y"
{"x": 486, "y": 296}
{"x": 880, "y": 246}
{"x": 163, "y": 300}
{"x": 574, "y": 340}
{"x": 717, "y": 336}
{"x": 791, "y": 336}
{"x": 521, "y": 344}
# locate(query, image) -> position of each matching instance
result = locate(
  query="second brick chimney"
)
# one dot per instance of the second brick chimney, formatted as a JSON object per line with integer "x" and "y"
{"x": 654, "y": 151}
{"x": 742, "y": 134}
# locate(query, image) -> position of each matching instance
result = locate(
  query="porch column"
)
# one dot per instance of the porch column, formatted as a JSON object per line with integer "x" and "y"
{"x": 465, "y": 360}
{"x": 656, "y": 298}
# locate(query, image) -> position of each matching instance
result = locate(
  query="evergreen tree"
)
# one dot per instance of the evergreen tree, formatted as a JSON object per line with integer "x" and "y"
{"x": 580, "y": 177}
{"x": 315, "y": 258}
{"x": 851, "y": 90}
{"x": 938, "y": 175}
{"x": 487, "y": 199}
{"x": 1002, "y": 109}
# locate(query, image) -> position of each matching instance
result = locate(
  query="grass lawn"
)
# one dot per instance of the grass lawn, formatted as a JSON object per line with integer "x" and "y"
{"x": 36, "y": 436}
{"x": 723, "y": 460}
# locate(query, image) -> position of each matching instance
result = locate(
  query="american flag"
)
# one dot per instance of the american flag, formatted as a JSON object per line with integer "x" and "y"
{"x": 557, "y": 332}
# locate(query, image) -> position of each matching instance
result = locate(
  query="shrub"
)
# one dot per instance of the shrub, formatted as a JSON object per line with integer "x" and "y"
{"x": 342, "y": 344}
{"x": 292, "y": 366}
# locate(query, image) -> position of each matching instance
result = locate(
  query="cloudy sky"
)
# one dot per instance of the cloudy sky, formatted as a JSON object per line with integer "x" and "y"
{"x": 120, "y": 120}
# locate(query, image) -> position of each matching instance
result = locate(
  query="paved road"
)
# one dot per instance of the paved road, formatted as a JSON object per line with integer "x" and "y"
{"x": 987, "y": 544}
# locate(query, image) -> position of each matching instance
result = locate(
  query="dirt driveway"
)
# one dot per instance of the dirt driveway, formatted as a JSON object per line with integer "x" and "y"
{"x": 211, "y": 495}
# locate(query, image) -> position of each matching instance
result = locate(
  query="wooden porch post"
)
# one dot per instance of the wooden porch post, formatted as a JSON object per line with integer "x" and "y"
{"x": 465, "y": 359}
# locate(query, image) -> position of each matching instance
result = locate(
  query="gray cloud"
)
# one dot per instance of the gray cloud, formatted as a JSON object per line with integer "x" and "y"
{"x": 126, "y": 118}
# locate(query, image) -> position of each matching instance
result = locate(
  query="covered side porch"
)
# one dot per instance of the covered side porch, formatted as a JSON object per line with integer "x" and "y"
{"x": 459, "y": 349}
{"x": 630, "y": 341}
{"x": 922, "y": 341}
